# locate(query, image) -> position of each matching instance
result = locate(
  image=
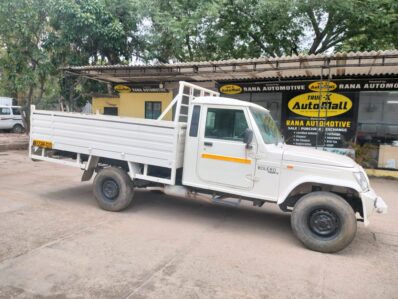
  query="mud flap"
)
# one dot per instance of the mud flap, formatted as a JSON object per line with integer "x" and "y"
{"x": 90, "y": 167}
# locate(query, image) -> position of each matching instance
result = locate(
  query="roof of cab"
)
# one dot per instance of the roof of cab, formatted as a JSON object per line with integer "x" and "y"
{"x": 225, "y": 102}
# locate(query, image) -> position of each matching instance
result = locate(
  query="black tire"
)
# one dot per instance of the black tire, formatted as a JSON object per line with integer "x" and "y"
{"x": 324, "y": 222}
{"x": 113, "y": 189}
{"x": 17, "y": 129}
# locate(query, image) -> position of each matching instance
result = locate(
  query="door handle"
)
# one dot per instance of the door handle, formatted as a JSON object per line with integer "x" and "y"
{"x": 206, "y": 143}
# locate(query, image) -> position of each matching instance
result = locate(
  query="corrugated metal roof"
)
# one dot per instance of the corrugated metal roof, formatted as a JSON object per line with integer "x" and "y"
{"x": 302, "y": 66}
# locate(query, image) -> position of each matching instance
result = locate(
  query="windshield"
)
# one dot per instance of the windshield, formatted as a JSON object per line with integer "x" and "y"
{"x": 268, "y": 129}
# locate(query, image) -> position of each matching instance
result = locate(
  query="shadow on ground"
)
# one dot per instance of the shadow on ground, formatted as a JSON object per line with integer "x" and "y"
{"x": 185, "y": 211}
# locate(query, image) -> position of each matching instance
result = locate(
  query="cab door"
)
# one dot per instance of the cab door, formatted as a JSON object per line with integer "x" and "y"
{"x": 223, "y": 158}
{"x": 5, "y": 118}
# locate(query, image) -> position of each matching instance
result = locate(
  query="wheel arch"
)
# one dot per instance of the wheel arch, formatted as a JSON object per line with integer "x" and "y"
{"x": 93, "y": 161}
{"x": 349, "y": 192}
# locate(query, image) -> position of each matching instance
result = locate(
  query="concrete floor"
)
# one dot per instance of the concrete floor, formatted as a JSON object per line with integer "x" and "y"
{"x": 56, "y": 243}
{"x": 11, "y": 141}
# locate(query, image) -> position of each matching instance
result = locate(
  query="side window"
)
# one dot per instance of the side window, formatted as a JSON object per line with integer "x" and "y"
{"x": 16, "y": 111}
{"x": 193, "y": 131}
{"x": 5, "y": 111}
{"x": 228, "y": 124}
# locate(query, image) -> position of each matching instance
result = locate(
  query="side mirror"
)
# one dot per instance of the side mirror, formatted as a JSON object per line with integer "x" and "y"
{"x": 248, "y": 137}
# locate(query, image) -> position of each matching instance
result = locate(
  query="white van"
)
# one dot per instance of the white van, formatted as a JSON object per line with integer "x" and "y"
{"x": 6, "y": 101}
{"x": 11, "y": 119}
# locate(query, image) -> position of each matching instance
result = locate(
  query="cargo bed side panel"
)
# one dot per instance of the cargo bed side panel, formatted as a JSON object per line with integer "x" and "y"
{"x": 136, "y": 140}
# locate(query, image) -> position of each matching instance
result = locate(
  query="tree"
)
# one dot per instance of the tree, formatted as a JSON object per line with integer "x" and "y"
{"x": 93, "y": 32}
{"x": 379, "y": 31}
{"x": 90, "y": 32}
{"x": 178, "y": 30}
{"x": 182, "y": 30}
{"x": 259, "y": 27}
{"x": 25, "y": 65}
{"x": 332, "y": 23}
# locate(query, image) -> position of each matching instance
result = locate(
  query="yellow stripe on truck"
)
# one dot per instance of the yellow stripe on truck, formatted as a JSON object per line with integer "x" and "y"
{"x": 226, "y": 158}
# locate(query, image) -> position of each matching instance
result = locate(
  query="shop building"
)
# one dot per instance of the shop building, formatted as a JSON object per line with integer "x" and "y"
{"x": 145, "y": 104}
{"x": 346, "y": 102}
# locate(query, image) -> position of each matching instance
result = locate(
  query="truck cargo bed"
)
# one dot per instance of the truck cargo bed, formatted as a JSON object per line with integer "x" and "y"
{"x": 144, "y": 141}
{"x": 148, "y": 149}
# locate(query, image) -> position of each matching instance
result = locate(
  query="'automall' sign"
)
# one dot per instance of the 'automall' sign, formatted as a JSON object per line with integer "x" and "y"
{"x": 315, "y": 112}
{"x": 320, "y": 104}
{"x": 320, "y": 117}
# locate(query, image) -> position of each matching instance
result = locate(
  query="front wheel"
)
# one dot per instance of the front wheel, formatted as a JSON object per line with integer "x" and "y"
{"x": 113, "y": 189}
{"x": 324, "y": 222}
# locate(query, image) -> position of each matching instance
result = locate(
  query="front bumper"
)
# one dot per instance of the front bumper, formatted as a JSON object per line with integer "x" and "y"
{"x": 380, "y": 206}
{"x": 372, "y": 203}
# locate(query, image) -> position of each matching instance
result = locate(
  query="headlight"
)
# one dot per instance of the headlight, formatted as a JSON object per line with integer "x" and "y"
{"x": 362, "y": 181}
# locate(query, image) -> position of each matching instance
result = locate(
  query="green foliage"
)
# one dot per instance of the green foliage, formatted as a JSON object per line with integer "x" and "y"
{"x": 38, "y": 37}
{"x": 92, "y": 31}
{"x": 340, "y": 22}
{"x": 378, "y": 30}
{"x": 24, "y": 63}
{"x": 184, "y": 30}
{"x": 259, "y": 27}
{"x": 365, "y": 155}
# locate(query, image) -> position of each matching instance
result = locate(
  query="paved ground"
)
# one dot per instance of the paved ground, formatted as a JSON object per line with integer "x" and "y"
{"x": 56, "y": 243}
{"x": 10, "y": 141}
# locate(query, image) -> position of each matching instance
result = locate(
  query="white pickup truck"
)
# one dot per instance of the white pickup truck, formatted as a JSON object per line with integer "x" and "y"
{"x": 216, "y": 149}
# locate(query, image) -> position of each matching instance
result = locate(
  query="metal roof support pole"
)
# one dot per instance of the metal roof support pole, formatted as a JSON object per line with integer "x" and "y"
{"x": 319, "y": 108}
{"x": 327, "y": 100}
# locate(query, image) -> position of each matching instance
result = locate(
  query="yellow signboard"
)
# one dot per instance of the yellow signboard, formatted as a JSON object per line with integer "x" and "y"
{"x": 314, "y": 104}
{"x": 326, "y": 86}
{"x": 43, "y": 143}
{"x": 122, "y": 88}
{"x": 231, "y": 89}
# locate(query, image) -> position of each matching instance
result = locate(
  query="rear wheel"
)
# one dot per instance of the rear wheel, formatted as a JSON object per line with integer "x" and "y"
{"x": 324, "y": 222}
{"x": 113, "y": 189}
{"x": 17, "y": 129}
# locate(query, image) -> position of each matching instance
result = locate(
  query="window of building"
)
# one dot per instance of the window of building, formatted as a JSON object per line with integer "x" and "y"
{"x": 228, "y": 124}
{"x": 153, "y": 110}
{"x": 111, "y": 111}
{"x": 377, "y": 117}
{"x": 377, "y": 129}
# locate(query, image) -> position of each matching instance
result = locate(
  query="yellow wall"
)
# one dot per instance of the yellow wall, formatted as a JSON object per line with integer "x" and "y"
{"x": 133, "y": 104}
{"x": 382, "y": 173}
{"x": 98, "y": 104}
